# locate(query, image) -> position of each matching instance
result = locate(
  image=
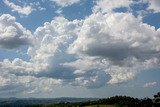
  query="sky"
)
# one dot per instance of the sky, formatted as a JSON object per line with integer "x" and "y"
{"x": 79, "y": 48}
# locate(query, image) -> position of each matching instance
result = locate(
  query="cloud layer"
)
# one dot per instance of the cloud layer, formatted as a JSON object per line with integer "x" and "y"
{"x": 104, "y": 48}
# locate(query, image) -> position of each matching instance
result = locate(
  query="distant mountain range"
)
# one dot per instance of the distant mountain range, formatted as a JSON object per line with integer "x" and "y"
{"x": 25, "y": 101}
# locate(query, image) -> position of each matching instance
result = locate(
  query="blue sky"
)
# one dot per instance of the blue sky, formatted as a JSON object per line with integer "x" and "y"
{"x": 79, "y": 48}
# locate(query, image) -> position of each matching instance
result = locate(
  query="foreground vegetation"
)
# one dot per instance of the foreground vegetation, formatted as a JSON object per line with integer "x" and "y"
{"x": 116, "y": 101}
{"x": 101, "y": 106}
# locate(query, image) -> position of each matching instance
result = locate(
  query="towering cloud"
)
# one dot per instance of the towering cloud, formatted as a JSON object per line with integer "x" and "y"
{"x": 123, "y": 41}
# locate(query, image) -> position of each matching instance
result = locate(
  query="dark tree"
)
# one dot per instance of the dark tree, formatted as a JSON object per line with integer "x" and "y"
{"x": 157, "y": 97}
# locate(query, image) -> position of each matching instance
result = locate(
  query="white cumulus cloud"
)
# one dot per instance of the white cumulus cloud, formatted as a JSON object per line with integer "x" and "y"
{"x": 106, "y": 6}
{"x": 13, "y": 34}
{"x": 154, "y": 5}
{"x": 122, "y": 40}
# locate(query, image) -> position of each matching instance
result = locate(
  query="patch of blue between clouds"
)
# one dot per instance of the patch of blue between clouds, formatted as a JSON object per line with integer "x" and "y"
{"x": 79, "y": 10}
{"x": 138, "y": 7}
{"x": 152, "y": 19}
{"x": 12, "y": 54}
{"x": 121, "y": 9}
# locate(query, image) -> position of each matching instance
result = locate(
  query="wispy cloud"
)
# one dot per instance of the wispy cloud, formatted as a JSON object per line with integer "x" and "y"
{"x": 150, "y": 84}
{"x": 25, "y": 10}
{"x": 65, "y": 3}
